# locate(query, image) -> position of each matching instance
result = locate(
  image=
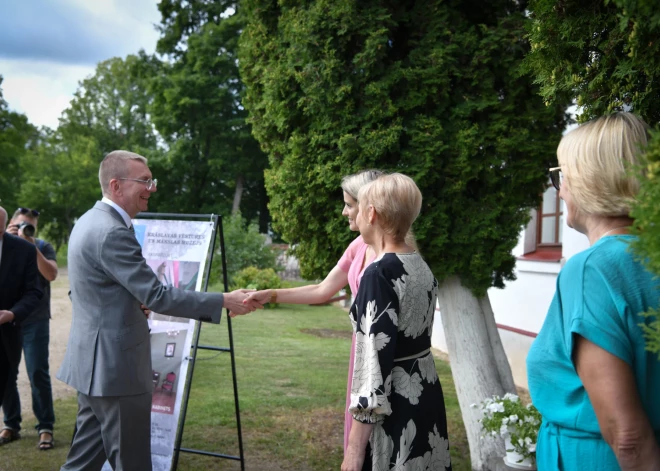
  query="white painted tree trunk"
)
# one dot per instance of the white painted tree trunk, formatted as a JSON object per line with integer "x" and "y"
{"x": 499, "y": 355}
{"x": 478, "y": 363}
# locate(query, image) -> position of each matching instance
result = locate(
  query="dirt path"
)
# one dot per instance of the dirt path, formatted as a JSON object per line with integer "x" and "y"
{"x": 59, "y": 335}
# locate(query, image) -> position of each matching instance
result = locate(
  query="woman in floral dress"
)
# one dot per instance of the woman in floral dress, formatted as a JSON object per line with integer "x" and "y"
{"x": 399, "y": 419}
{"x": 348, "y": 270}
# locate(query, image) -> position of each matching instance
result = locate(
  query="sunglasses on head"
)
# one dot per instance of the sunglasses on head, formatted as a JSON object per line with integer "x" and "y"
{"x": 34, "y": 212}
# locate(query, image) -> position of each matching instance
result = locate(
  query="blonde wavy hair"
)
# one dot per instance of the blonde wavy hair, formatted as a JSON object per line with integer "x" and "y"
{"x": 599, "y": 160}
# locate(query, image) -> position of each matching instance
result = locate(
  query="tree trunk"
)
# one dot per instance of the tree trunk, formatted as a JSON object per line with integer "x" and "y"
{"x": 499, "y": 355}
{"x": 475, "y": 365}
{"x": 238, "y": 194}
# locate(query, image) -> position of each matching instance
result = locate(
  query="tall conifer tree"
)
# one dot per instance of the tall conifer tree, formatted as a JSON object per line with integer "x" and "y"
{"x": 431, "y": 89}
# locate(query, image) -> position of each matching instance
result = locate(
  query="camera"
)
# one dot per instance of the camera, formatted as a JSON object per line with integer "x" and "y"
{"x": 28, "y": 229}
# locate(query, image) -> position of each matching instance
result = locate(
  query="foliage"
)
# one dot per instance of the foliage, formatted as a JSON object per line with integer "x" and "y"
{"x": 60, "y": 178}
{"x": 603, "y": 54}
{"x": 428, "y": 88}
{"x": 108, "y": 112}
{"x": 213, "y": 164}
{"x": 509, "y": 418}
{"x": 647, "y": 222}
{"x": 257, "y": 278}
{"x": 16, "y": 134}
{"x": 111, "y": 106}
{"x": 244, "y": 247}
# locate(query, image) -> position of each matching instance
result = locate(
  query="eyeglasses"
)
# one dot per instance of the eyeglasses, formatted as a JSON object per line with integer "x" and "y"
{"x": 555, "y": 177}
{"x": 34, "y": 212}
{"x": 151, "y": 183}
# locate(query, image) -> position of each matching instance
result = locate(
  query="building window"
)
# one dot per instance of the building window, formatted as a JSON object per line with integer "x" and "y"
{"x": 542, "y": 240}
{"x": 549, "y": 220}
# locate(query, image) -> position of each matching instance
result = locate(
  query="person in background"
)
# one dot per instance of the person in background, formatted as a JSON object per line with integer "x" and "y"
{"x": 35, "y": 331}
{"x": 398, "y": 408}
{"x": 348, "y": 270}
{"x": 19, "y": 296}
{"x": 589, "y": 374}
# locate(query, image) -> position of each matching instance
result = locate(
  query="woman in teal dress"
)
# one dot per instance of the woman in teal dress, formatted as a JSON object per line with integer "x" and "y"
{"x": 589, "y": 374}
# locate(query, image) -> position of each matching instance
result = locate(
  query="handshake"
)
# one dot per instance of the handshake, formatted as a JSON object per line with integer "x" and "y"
{"x": 243, "y": 301}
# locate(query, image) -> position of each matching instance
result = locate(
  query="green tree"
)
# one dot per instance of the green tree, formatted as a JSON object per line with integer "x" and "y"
{"x": 61, "y": 180}
{"x": 111, "y": 106}
{"x": 16, "y": 134}
{"x": 108, "y": 111}
{"x": 431, "y": 89}
{"x": 605, "y": 55}
{"x": 213, "y": 164}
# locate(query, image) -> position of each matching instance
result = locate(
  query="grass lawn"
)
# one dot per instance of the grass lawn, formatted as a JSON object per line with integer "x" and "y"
{"x": 291, "y": 366}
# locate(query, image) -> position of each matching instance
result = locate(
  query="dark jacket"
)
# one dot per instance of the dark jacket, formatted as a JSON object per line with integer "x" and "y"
{"x": 19, "y": 291}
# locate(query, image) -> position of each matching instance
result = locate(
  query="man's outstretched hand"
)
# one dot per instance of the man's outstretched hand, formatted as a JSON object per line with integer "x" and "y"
{"x": 234, "y": 302}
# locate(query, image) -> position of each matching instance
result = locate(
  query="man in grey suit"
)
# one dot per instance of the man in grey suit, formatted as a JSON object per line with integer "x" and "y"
{"x": 108, "y": 357}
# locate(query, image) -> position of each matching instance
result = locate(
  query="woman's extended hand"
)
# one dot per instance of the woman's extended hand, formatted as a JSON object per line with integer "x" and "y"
{"x": 257, "y": 299}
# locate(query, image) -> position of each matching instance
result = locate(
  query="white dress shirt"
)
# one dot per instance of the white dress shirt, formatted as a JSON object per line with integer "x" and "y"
{"x": 120, "y": 210}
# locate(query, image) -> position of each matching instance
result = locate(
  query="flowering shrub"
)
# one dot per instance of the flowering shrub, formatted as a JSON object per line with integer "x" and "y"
{"x": 509, "y": 418}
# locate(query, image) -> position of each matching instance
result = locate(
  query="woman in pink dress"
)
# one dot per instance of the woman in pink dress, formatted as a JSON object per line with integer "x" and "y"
{"x": 348, "y": 270}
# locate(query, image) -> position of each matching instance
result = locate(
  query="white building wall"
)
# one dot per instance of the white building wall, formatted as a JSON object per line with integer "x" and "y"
{"x": 523, "y": 303}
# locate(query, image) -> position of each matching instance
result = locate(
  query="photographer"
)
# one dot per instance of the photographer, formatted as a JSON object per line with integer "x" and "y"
{"x": 35, "y": 331}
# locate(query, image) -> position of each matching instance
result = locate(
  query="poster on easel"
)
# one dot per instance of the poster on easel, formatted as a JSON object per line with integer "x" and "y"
{"x": 177, "y": 252}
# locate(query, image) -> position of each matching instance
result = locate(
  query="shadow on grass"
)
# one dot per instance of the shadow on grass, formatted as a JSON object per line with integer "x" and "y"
{"x": 291, "y": 366}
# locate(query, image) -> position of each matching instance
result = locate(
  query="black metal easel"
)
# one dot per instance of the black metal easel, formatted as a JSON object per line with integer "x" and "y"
{"x": 217, "y": 227}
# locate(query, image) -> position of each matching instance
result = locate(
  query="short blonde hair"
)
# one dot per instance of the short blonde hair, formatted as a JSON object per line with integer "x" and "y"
{"x": 599, "y": 158}
{"x": 351, "y": 184}
{"x": 114, "y": 166}
{"x": 397, "y": 201}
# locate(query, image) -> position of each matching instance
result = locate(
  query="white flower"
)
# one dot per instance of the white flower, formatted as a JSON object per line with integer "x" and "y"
{"x": 520, "y": 422}
{"x": 520, "y": 442}
{"x": 513, "y": 418}
{"x": 493, "y": 433}
{"x": 496, "y": 407}
{"x": 504, "y": 430}
{"x": 511, "y": 397}
{"x": 531, "y": 448}
{"x": 505, "y": 420}
{"x": 473, "y": 406}
{"x": 528, "y": 441}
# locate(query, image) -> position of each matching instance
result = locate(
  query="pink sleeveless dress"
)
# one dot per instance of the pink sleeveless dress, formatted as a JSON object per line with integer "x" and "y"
{"x": 352, "y": 263}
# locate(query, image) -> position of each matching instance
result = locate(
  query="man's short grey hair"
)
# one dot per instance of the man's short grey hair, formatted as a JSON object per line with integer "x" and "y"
{"x": 114, "y": 166}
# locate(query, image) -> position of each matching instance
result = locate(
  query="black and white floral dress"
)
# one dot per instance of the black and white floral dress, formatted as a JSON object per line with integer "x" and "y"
{"x": 395, "y": 384}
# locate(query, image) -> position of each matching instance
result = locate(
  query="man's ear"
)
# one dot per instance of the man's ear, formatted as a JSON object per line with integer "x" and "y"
{"x": 113, "y": 187}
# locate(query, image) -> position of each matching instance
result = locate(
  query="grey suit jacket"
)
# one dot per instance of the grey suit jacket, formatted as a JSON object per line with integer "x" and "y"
{"x": 109, "y": 352}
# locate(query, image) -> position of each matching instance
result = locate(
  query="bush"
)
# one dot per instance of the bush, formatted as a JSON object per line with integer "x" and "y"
{"x": 244, "y": 247}
{"x": 255, "y": 278}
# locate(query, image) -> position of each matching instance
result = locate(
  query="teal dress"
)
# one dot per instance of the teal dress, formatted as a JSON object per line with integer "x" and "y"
{"x": 600, "y": 293}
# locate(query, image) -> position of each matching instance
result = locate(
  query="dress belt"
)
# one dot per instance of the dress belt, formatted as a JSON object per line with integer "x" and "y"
{"x": 416, "y": 355}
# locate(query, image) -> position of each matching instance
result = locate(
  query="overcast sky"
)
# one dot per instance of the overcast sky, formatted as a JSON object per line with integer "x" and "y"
{"x": 48, "y": 46}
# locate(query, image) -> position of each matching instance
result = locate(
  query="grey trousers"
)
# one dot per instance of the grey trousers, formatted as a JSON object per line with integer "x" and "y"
{"x": 116, "y": 428}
